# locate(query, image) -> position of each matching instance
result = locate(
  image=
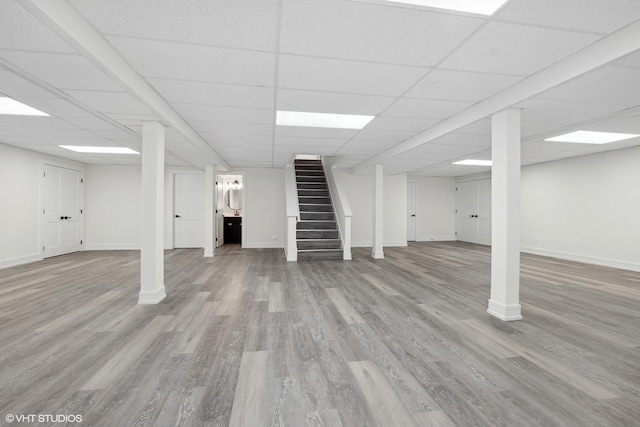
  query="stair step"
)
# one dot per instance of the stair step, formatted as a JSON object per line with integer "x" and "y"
{"x": 317, "y": 234}
{"x": 310, "y": 192}
{"x": 320, "y": 255}
{"x": 305, "y": 178}
{"x": 325, "y": 216}
{"x": 309, "y": 172}
{"x": 314, "y": 200}
{"x": 319, "y": 244}
{"x": 312, "y": 186}
{"x": 316, "y": 225}
{"x": 315, "y": 207}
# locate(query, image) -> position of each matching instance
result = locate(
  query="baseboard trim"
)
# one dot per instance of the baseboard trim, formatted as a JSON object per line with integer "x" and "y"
{"x": 503, "y": 312}
{"x": 264, "y": 245}
{"x": 624, "y": 265}
{"x": 20, "y": 260}
{"x": 151, "y": 297}
{"x": 112, "y": 247}
{"x": 435, "y": 238}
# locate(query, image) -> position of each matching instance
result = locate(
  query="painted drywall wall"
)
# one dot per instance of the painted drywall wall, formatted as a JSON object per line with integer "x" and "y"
{"x": 264, "y": 213}
{"x": 435, "y": 208}
{"x": 20, "y": 172}
{"x": 584, "y": 208}
{"x": 359, "y": 190}
{"x": 112, "y": 207}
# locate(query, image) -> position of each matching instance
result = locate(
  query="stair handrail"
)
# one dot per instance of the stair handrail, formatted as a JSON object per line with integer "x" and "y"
{"x": 293, "y": 212}
{"x": 335, "y": 179}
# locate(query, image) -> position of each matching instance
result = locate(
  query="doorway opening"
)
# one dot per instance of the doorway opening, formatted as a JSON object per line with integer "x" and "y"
{"x": 229, "y": 209}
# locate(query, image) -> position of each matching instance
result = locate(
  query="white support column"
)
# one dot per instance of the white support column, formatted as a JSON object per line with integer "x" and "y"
{"x": 209, "y": 211}
{"x": 505, "y": 216}
{"x": 377, "y": 251}
{"x": 152, "y": 226}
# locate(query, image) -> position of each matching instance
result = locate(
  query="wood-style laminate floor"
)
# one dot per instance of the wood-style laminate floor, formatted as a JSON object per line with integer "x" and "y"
{"x": 247, "y": 339}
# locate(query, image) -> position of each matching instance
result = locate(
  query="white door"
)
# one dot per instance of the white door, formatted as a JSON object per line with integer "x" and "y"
{"x": 474, "y": 211}
{"x": 188, "y": 211}
{"x": 61, "y": 211}
{"x": 411, "y": 212}
{"x": 219, "y": 212}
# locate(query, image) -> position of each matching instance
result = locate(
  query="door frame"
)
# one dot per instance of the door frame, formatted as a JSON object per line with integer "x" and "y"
{"x": 244, "y": 203}
{"x": 41, "y": 170}
{"x": 169, "y": 203}
{"x": 175, "y": 199}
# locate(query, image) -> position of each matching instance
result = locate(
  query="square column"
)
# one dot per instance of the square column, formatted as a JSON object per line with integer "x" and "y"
{"x": 505, "y": 216}
{"x": 378, "y": 181}
{"x": 209, "y": 211}
{"x": 152, "y": 226}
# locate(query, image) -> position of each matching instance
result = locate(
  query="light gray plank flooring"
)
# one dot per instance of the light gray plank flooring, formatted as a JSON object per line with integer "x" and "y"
{"x": 247, "y": 339}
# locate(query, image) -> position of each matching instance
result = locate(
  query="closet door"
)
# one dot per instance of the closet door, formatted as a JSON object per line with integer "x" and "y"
{"x": 474, "y": 211}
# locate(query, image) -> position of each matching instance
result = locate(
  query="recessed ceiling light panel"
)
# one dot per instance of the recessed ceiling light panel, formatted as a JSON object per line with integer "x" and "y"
{"x": 480, "y": 7}
{"x": 590, "y": 137}
{"x": 99, "y": 150}
{"x": 16, "y": 108}
{"x": 322, "y": 120}
{"x": 471, "y": 162}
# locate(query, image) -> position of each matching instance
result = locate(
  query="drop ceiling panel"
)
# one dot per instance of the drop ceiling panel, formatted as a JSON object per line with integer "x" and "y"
{"x": 220, "y": 141}
{"x": 581, "y": 15}
{"x": 221, "y": 128}
{"x": 383, "y": 122}
{"x": 21, "y": 30}
{"x": 305, "y": 132}
{"x": 505, "y": 48}
{"x": 57, "y": 107}
{"x": 426, "y": 108}
{"x": 180, "y": 61}
{"x": 625, "y": 125}
{"x": 610, "y": 85}
{"x": 64, "y": 71}
{"x": 17, "y": 87}
{"x": 331, "y": 102}
{"x": 91, "y": 123}
{"x": 243, "y": 24}
{"x": 15, "y": 123}
{"x": 365, "y": 32}
{"x": 544, "y": 111}
{"x": 460, "y": 85}
{"x": 186, "y": 92}
{"x": 110, "y": 102}
{"x": 331, "y": 75}
{"x": 224, "y": 114}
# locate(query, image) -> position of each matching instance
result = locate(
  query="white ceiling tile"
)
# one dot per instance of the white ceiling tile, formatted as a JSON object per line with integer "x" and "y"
{"x": 625, "y": 125}
{"x": 400, "y": 124}
{"x": 505, "y": 48}
{"x": 222, "y": 128}
{"x": 224, "y": 114}
{"x": 319, "y": 143}
{"x": 351, "y": 30}
{"x": 543, "y": 111}
{"x": 219, "y": 141}
{"x": 91, "y": 123}
{"x": 20, "y": 30}
{"x": 179, "y": 61}
{"x": 394, "y": 137}
{"x": 425, "y": 108}
{"x": 331, "y": 75}
{"x": 631, "y": 60}
{"x": 463, "y": 139}
{"x": 14, "y": 123}
{"x": 244, "y": 24}
{"x": 187, "y": 92}
{"x": 305, "y": 132}
{"x": 17, "y": 87}
{"x": 582, "y": 15}
{"x": 610, "y": 85}
{"x": 50, "y": 134}
{"x": 331, "y": 102}
{"x": 64, "y": 71}
{"x": 110, "y": 102}
{"x": 57, "y": 107}
{"x": 460, "y": 85}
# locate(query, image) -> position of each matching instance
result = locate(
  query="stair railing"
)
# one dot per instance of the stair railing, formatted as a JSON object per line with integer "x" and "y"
{"x": 335, "y": 179}
{"x": 293, "y": 213}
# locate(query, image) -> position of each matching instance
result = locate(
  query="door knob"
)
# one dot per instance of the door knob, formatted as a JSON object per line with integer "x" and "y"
{"x": 178, "y": 216}
{"x": 413, "y": 215}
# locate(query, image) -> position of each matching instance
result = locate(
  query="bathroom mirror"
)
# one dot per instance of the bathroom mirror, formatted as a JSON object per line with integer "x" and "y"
{"x": 233, "y": 198}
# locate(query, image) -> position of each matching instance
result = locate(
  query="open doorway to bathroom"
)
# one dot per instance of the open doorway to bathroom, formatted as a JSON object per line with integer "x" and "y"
{"x": 229, "y": 209}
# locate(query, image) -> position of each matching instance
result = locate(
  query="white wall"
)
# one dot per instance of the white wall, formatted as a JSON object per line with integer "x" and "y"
{"x": 435, "y": 208}
{"x": 265, "y": 210}
{"x": 112, "y": 207}
{"x": 584, "y": 208}
{"x": 359, "y": 190}
{"x": 20, "y": 171}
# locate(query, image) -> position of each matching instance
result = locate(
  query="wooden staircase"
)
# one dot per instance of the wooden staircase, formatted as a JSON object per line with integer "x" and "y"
{"x": 317, "y": 231}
